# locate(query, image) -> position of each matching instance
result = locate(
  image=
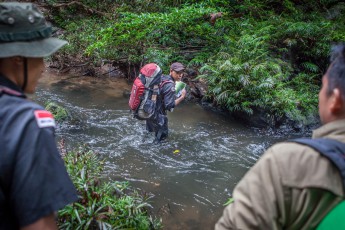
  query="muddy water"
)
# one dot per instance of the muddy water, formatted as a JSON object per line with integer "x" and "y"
{"x": 191, "y": 175}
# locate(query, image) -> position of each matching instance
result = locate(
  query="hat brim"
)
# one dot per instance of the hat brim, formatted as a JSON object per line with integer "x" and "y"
{"x": 35, "y": 49}
{"x": 179, "y": 69}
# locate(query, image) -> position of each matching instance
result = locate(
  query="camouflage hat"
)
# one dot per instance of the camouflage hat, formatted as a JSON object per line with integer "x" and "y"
{"x": 25, "y": 32}
{"x": 177, "y": 66}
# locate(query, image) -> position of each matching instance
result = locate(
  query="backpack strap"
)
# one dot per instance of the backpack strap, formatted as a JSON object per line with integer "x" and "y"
{"x": 155, "y": 93}
{"x": 164, "y": 82}
{"x": 335, "y": 151}
{"x": 161, "y": 86}
{"x": 6, "y": 90}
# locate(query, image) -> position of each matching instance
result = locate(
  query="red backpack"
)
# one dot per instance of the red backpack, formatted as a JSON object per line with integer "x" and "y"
{"x": 145, "y": 90}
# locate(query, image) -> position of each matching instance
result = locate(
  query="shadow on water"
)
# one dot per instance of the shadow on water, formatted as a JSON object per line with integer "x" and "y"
{"x": 191, "y": 175}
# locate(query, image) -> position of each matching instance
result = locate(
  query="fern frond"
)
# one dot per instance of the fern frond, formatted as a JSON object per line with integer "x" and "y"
{"x": 310, "y": 67}
{"x": 244, "y": 80}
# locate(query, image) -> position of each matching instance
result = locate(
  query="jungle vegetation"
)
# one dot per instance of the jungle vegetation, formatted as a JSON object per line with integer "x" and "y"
{"x": 255, "y": 55}
{"x": 102, "y": 204}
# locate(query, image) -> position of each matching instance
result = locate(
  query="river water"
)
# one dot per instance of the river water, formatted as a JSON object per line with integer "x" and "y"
{"x": 191, "y": 175}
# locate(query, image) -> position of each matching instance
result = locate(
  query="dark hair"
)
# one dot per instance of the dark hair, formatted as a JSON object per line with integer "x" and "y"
{"x": 336, "y": 70}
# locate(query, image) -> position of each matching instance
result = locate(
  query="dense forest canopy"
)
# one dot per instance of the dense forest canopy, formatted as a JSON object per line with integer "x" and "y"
{"x": 255, "y": 55}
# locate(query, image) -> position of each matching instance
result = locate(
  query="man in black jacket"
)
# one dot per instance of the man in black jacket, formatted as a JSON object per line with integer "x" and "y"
{"x": 166, "y": 102}
{"x": 33, "y": 179}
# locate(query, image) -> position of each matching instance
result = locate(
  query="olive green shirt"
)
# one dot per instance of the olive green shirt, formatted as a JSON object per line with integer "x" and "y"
{"x": 290, "y": 187}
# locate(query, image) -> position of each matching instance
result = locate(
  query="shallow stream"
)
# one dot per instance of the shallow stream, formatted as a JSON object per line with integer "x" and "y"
{"x": 191, "y": 175}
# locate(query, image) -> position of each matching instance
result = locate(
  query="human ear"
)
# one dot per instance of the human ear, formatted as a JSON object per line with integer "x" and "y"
{"x": 337, "y": 101}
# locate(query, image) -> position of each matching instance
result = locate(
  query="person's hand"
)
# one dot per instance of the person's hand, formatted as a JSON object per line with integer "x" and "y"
{"x": 181, "y": 98}
{"x": 183, "y": 93}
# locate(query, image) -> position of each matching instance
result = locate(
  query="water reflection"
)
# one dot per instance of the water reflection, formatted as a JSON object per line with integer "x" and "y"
{"x": 191, "y": 175}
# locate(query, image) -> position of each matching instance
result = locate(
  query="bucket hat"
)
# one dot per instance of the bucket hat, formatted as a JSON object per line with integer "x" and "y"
{"x": 25, "y": 32}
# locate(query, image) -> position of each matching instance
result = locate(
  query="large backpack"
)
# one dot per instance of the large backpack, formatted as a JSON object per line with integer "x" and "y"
{"x": 335, "y": 152}
{"x": 145, "y": 91}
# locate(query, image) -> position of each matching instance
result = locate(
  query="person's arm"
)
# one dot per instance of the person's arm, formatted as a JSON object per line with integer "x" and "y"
{"x": 181, "y": 98}
{"x": 45, "y": 223}
{"x": 257, "y": 198}
{"x": 169, "y": 96}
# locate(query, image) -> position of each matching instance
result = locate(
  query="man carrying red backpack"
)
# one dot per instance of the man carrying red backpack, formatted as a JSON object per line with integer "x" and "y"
{"x": 166, "y": 102}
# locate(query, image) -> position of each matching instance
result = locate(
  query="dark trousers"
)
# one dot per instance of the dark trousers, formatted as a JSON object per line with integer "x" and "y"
{"x": 159, "y": 126}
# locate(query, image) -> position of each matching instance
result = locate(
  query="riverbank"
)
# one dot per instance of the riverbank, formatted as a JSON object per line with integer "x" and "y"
{"x": 112, "y": 81}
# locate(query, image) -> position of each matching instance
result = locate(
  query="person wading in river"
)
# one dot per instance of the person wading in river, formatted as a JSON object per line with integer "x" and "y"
{"x": 166, "y": 102}
{"x": 293, "y": 186}
{"x": 33, "y": 180}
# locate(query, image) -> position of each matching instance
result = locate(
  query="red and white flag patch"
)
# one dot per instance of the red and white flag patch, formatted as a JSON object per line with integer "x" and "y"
{"x": 44, "y": 119}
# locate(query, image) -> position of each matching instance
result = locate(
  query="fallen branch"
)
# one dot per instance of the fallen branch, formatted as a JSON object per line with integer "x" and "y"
{"x": 78, "y": 65}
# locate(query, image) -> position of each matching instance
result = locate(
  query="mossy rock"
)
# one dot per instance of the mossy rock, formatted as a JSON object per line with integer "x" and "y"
{"x": 59, "y": 112}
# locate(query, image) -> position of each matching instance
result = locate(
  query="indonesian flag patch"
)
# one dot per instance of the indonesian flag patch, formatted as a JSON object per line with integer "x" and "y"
{"x": 44, "y": 119}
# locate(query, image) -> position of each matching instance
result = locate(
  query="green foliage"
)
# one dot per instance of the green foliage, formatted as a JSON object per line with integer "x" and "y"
{"x": 246, "y": 76}
{"x": 140, "y": 37}
{"x": 139, "y": 6}
{"x": 276, "y": 61}
{"x": 303, "y": 43}
{"x": 265, "y": 54}
{"x": 59, "y": 113}
{"x": 101, "y": 204}
{"x": 265, "y": 8}
{"x": 230, "y": 200}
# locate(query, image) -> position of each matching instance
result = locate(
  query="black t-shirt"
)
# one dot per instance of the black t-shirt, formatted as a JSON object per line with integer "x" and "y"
{"x": 33, "y": 179}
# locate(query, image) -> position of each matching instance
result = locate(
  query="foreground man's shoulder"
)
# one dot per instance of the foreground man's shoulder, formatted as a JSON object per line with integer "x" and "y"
{"x": 301, "y": 166}
{"x": 291, "y": 149}
{"x": 291, "y": 155}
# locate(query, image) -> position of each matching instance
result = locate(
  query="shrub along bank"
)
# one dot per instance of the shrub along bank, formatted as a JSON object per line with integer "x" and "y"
{"x": 256, "y": 55}
{"x": 102, "y": 204}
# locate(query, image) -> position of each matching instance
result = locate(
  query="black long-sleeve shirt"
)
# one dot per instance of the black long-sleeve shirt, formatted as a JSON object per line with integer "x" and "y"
{"x": 33, "y": 180}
